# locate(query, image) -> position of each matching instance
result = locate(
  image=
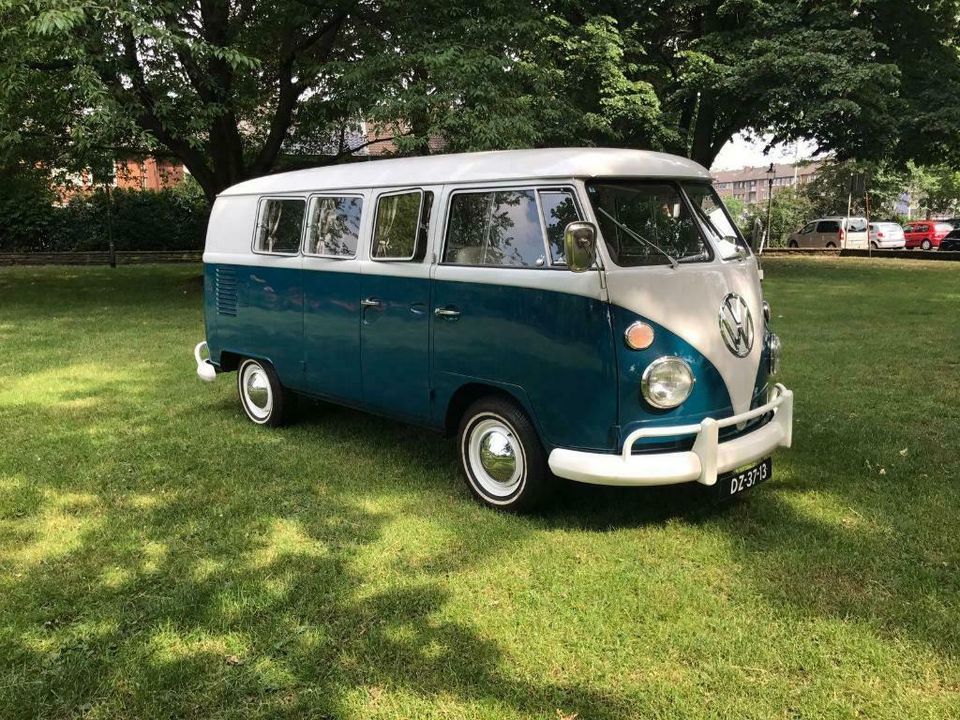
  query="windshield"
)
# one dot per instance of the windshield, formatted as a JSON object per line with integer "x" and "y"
{"x": 646, "y": 223}
{"x": 650, "y": 222}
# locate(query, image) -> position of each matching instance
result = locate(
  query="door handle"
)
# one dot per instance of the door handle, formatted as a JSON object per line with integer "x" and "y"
{"x": 447, "y": 313}
{"x": 371, "y": 302}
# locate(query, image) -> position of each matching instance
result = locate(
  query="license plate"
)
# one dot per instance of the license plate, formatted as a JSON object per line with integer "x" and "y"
{"x": 738, "y": 481}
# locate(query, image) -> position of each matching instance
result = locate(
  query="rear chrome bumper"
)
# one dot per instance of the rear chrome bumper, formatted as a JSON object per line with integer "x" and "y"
{"x": 205, "y": 369}
{"x": 703, "y": 462}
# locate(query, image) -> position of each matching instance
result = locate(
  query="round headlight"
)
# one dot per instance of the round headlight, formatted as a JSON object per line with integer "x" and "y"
{"x": 667, "y": 382}
{"x": 773, "y": 344}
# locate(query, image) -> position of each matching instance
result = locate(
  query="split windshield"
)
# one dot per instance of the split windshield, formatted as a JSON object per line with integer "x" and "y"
{"x": 651, "y": 222}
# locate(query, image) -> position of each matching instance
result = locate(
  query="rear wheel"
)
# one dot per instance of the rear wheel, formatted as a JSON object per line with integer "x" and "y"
{"x": 262, "y": 397}
{"x": 874, "y": 245}
{"x": 501, "y": 455}
{"x": 926, "y": 245}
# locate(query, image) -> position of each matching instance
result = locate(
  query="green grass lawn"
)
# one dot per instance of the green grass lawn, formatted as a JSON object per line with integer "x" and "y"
{"x": 160, "y": 556}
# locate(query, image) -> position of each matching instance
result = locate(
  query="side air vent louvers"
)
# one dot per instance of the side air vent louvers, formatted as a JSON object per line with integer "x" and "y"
{"x": 226, "y": 282}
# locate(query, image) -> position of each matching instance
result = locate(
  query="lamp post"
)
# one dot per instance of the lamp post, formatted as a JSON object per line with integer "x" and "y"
{"x": 771, "y": 172}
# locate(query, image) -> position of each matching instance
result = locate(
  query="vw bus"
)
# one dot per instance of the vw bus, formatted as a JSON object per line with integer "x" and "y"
{"x": 589, "y": 314}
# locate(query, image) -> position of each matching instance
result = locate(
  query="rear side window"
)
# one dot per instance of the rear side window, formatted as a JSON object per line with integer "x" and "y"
{"x": 828, "y": 226}
{"x": 400, "y": 230}
{"x": 333, "y": 226}
{"x": 280, "y": 226}
{"x": 495, "y": 228}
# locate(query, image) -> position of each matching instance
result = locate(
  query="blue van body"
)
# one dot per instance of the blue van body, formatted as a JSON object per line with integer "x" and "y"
{"x": 418, "y": 340}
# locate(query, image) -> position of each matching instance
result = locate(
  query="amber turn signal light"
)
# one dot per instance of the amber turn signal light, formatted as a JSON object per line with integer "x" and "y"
{"x": 639, "y": 336}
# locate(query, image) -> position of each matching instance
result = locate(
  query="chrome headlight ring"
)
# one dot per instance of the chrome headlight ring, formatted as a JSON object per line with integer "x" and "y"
{"x": 667, "y": 382}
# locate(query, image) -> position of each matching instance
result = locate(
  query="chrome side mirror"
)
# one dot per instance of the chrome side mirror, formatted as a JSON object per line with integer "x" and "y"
{"x": 580, "y": 246}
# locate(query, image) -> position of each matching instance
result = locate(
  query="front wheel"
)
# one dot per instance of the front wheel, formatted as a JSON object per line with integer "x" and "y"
{"x": 793, "y": 244}
{"x": 502, "y": 458}
{"x": 262, "y": 397}
{"x": 831, "y": 245}
{"x": 926, "y": 245}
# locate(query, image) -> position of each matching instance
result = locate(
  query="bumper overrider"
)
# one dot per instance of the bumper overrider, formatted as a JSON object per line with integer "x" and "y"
{"x": 703, "y": 462}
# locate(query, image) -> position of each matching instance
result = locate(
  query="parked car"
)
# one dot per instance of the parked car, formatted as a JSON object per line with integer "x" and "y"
{"x": 886, "y": 235}
{"x": 951, "y": 243}
{"x": 926, "y": 234}
{"x": 557, "y": 310}
{"x": 832, "y": 232}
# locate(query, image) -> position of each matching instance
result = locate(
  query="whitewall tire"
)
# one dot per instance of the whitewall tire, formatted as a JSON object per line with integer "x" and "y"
{"x": 262, "y": 397}
{"x": 501, "y": 455}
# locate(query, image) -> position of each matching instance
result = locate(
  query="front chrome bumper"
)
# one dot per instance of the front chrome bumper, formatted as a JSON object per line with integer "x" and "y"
{"x": 703, "y": 462}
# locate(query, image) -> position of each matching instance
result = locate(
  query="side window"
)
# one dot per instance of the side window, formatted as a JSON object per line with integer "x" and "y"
{"x": 279, "y": 226}
{"x": 494, "y": 228}
{"x": 333, "y": 226}
{"x": 908, "y": 228}
{"x": 559, "y": 209}
{"x": 400, "y": 231}
{"x": 828, "y": 226}
{"x": 808, "y": 229}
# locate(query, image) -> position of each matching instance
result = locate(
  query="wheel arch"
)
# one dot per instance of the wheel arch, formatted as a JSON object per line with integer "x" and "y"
{"x": 468, "y": 393}
{"x": 230, "y": 360}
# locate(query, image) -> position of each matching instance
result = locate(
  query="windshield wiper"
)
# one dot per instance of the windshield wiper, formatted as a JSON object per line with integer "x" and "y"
{"x": 639, "y": 238}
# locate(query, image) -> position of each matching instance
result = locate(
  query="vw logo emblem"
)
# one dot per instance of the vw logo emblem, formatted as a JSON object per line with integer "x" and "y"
{"x": 736, "y": 325}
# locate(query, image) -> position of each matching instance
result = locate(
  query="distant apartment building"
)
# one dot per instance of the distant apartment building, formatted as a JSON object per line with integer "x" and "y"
{"x": 749, "y": 185}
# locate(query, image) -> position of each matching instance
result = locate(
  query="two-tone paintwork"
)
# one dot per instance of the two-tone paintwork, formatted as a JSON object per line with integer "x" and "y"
{"x": 550, "y": 338}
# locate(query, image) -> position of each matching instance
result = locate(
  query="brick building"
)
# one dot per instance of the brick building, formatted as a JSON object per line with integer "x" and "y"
{"x": 147, "y": 173}
{"x": 750, "y": 184}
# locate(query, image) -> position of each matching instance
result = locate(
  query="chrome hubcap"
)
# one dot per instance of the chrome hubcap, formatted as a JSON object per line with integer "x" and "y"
{"x": 256, "y": 390}
{"x": 496, "y": 457}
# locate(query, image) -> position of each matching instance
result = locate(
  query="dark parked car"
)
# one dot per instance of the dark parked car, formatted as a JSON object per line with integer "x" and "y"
{"x": 951, "y": 241}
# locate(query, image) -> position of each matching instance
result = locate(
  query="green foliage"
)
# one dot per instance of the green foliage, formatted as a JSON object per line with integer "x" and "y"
{"x": 234, "y": 88}
{"x": 26, "y": 206}
{"x": 789, "y": 211}
{"x": 174, "y": 219}
{"x": 140, "y": 220}
{"x": 934, "y": 189}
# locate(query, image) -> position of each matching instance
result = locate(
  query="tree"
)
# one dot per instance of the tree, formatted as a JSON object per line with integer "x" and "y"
{"x": 789, "y": 211}
{"x": 687, "y": 75}
{"x": 228, "y": 85}
{"x": 234, "y": 88}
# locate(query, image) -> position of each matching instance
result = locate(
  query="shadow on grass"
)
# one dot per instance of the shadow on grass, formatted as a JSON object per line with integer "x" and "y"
{"x": 203, "y": 589}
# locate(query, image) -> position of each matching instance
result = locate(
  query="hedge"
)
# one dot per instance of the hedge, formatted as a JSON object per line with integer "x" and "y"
{"x": 174, "y": 219}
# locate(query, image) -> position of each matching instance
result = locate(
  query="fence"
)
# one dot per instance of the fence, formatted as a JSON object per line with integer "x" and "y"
{"x": 124, "y": 257}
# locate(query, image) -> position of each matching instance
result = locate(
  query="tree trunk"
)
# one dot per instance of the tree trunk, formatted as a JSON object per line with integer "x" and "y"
{"x": 702, "y": 147}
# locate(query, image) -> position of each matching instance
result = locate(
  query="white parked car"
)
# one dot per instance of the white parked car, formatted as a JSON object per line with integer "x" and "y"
{"x": 886, "y": 235}
{"x": 832, "y": 232}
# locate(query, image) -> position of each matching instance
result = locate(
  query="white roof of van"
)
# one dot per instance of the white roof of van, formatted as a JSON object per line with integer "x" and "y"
{"x": 493, "y": 166}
